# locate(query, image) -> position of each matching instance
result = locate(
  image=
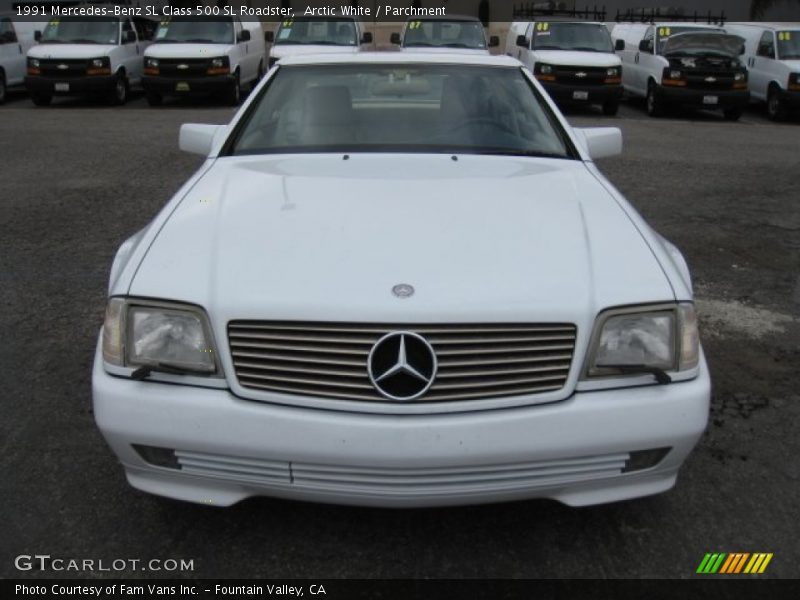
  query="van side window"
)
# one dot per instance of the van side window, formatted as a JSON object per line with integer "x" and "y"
{"x": 650, "y": 38}
{"x": 766, "y": 45}
{"x": 7, "y": 33}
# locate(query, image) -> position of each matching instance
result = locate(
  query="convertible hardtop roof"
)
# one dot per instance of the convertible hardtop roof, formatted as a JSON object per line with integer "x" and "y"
{"x": 401, "y": 58}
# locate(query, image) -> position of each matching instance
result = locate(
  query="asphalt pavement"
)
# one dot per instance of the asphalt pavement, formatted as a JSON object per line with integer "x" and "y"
{"x": 78, "y": 178}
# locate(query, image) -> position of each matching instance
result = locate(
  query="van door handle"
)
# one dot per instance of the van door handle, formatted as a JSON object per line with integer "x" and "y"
{"x": 20, "y": 48}
{"x": 636, "y": 58}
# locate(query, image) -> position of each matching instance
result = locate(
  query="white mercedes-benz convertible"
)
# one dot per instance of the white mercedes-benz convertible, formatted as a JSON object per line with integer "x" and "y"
{"x": 400, "y": 281}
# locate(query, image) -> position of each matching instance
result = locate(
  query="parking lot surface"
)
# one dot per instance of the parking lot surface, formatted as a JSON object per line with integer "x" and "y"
{"x": 78, "y": 178}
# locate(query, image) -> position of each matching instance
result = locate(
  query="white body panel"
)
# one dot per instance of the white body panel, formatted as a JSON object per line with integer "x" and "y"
{"x": 14, "y": 47}
{"x": 484, "y": 239}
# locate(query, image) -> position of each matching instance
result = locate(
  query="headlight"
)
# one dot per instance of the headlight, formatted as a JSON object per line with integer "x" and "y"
{"x": 97, "y": 62}
{"x": 675, "y": 74}
{"x": 545, "y": 69}
{"x": 665, "y": 338}
{"x": 740, "y": 77}
{"x": 151, "y": 63}
{"x": 33, "y": 62}
{"x": 219, "y": 66}
{"x": 613, "y": 72}
{"x": 99, "y": 66}
{"x": 174, "y": 336}
{"x": 217, "y": 63}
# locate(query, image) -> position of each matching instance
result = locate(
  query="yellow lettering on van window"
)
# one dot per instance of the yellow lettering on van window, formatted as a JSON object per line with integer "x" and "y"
{"x": 785, "y": 36}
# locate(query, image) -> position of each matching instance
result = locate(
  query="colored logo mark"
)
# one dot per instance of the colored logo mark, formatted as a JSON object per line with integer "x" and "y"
{"x": 734, "y": 562}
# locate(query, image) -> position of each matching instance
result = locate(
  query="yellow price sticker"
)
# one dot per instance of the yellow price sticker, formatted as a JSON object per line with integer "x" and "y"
{"x": 785, "y": 36}
{"x": 415, "y": 25}
{"x": 665, "y": 32}
{"x": 288, "y": 23}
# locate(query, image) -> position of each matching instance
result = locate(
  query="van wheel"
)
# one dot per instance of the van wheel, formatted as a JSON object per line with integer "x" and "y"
{"x": 776, "y": 109}
{"x": 2, "y": 88}
{"x": 259, "y": 76}
{"x": 41, "y": 99}
{"x": 655, "y": 107}
{"x": 732, "y": 114}
{"x": 234, "y": 94}
{"x": 611, "y": 108}
{"x": 154, "y": 99}
{"x": 119, "y": 95}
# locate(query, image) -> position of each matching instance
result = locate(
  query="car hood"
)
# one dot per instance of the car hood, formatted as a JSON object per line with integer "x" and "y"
{"x": 430, "y": 50}
{"x": 279, "y": 51}
{"x": 68, "y": 51}
{"x": 187, "y": 50}
{"x": 577, "y": 58}
{"x": 712, "y": 42}
{"x": 319, "y": 238}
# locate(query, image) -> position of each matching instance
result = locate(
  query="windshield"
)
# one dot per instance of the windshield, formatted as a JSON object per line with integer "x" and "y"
{"x": 198, "y": 30}
{"x": 586, "y": 37}
{"x": 81, "y": 30}
{"x": 789, "y": 45}
{"x": 703, "y": 44}
{"x": 665, "y": 33}
{"x": 331, "y": 32}
{"x": 444, "y": 34}
{"x": 400, "y": 108}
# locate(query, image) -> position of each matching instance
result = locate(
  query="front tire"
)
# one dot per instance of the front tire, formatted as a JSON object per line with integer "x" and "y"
{"x": 154, "y": 99}
{"x": 234, "y": 94}
{"x": 732, "y": 114}
{"x": 776, "y": 108}
{"x": 40, "y": 99}
{"x": 655, "y": 107}
{"x": 611, "y": 108}
{"x": 119, "y": 94}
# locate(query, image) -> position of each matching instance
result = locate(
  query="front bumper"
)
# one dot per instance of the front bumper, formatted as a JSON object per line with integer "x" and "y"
{"x": 699, "y": 98}
{"x": 168, "y": 86}
{"x": 229, "y": 449}
{"x": 95, "y": 84}
{"x": 562, "y": 93}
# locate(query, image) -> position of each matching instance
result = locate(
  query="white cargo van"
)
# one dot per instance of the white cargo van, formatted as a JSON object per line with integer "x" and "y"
{"x": 87, "y": 55}
{"x": 573, "y": 60}
{"x": 16, "y": 38}
{"x": 339, "y": 35}
{"x": 202, "y": 55}
{"x": 772, "y": 55}
{"x": 459, "y": 34}
{"x": 687, "y": 64}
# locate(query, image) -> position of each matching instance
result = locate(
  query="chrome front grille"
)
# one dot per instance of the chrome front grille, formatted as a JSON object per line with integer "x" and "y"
{"x": 329, "y": 360}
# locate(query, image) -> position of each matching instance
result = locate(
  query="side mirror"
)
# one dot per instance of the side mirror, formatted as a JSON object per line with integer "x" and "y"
{"x": 522, "y": 41}
{"x": 37, "y": 35}
{"x": 742, "y": 50}
{"x": 198, "y": 139}
{"x": 619, "y": 46}
{"x": 494, "y": 41}
{"x": 129, "y": 37}
{"x": 395, "y": 38}
{"x": 269, "y": 36}
{"x": 244, "y": 35}
{"x": 646, "y": 46}
{"x": 366, "y": 38}
{"x": 601, "y": 142}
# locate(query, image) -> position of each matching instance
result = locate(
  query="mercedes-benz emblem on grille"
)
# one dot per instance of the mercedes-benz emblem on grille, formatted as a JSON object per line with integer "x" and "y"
{"x": 403, "y": 290}
{"x": 580, "y": 74}
{"x": 402, "y": 365}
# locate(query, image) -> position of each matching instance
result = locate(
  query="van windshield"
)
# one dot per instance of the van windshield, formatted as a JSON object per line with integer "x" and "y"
{"x": 703, "y": 44}
{"x": 789, "y": 45}
{"x": 401, "y": 108}
{"x": 330, "y": 32}
{"x": 444, "y": 34}
{"x": 586, "y": 37}
{"x": 195, "y": 30}
{"x": 81, "y": 30}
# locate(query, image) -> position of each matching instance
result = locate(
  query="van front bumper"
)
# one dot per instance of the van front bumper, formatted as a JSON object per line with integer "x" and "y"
{"x": 209, "y": 446}
{"x": 562, "y": 93}
{"x": 173, "y": 86}
{"x": 75, "y": 85}
{"x": 701, "y": 98}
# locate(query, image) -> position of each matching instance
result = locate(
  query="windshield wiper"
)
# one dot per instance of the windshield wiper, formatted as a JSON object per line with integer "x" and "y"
{"x": 144, "y": 371}
{"x": 660, "y": 374}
